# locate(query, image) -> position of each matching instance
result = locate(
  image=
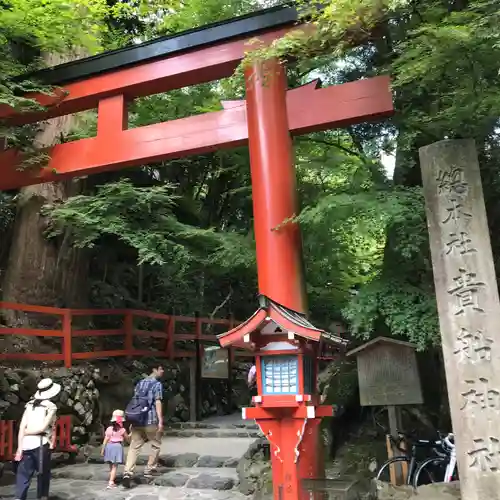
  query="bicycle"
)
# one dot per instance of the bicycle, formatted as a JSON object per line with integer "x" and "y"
{"x": 410, "y": 459}
{"x": 438, "y": 467}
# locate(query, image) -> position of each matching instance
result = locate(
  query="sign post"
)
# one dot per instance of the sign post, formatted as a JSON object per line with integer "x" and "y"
{"x": 215, "y": 363}
{"x": 388, "y": 376}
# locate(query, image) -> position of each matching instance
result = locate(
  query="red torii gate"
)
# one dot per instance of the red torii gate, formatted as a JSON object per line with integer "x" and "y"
{"x": 265, "y": 120}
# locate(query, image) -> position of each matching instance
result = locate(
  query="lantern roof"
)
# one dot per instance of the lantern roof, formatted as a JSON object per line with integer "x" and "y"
{"x": 285, "y": 319}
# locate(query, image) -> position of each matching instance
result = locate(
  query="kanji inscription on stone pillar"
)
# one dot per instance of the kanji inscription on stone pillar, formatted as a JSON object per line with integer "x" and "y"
{"x": 469, "y": 309}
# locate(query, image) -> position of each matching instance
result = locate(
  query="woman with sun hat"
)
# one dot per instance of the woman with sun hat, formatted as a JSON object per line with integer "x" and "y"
{"x": 36, "y": 439}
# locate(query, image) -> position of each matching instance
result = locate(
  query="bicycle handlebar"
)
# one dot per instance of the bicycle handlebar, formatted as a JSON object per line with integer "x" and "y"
{"x": 445, "y": 441}
{"x": 449, "y": 441}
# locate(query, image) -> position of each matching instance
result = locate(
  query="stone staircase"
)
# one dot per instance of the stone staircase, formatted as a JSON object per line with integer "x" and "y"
{"x": 198, "y": 462}
{"x": 227, "y": 429}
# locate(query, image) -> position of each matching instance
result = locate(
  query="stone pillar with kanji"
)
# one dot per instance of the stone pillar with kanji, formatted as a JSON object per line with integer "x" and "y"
{"x": 468, "y": 307}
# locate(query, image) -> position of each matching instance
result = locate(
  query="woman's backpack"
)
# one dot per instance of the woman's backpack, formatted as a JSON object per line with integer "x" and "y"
{"x": 36, "y": 412}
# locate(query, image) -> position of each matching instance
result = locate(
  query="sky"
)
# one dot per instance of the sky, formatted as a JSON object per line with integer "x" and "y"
{"x": 388, "y": 161}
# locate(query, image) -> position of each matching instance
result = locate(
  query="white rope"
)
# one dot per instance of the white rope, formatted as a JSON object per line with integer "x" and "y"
{"x": 277, "y": 450}
{"x": 300, "y": 435}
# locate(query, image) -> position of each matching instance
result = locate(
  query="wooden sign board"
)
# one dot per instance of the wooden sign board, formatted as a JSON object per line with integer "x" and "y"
{"x": 215, "y": 363}
{"x": 388, "y": 373}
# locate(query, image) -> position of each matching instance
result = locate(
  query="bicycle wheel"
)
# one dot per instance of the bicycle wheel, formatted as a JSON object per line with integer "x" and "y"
{"x": 384, "y": 473}
{"x": 430, "y": 471}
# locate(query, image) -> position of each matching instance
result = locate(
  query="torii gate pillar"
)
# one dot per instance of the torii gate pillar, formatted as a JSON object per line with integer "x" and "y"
{"x": 291, "y": 427}
{"x": 274, "y": 190}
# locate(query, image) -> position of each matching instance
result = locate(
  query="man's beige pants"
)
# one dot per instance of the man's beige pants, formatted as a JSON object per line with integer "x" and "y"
{"x": 140, "y": 436}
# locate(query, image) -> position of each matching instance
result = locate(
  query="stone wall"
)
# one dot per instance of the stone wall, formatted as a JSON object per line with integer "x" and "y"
{"x": 254, "y": 470}
{"x": 91, "y": 391}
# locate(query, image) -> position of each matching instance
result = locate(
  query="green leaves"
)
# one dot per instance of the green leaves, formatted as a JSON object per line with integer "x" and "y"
{"x": 32, "y": 33}
{"x": 405, "y": 310}
{"x": 54, "y": 25}
{"x": 338, "y": 26}
{"x": 450, "y": 57}
{"x": 139, "y": 217}
{"x": 189, "y": 221}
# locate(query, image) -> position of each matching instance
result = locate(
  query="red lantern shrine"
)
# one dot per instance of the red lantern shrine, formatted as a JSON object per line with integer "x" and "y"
{"x": 287, "y": 407}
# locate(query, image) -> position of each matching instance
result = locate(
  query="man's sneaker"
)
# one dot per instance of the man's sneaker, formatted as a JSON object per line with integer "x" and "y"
{"x": 126, "y": 481}
{"x": 149, "y": 471}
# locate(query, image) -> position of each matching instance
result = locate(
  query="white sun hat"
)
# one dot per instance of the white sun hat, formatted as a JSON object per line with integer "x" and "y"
{"x": 117, "y": 414}
{"x": 47, "y": 389}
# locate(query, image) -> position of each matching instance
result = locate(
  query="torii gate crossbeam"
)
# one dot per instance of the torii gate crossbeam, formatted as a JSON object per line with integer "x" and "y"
{"x": 309, "y": 110}
{"x": 110, "y": 80}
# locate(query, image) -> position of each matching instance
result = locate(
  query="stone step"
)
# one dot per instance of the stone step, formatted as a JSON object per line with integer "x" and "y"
{"x": 76, "y": 489}
{"x": 206, "y": 478}
{"x": 188, "y": 451}
{"x": 180, "y": 460}
{"x": 203, "y": 425}
{"x": 214, "y": 433}
{"x": 201, "y": 478}
{"x": 345, "y": 488}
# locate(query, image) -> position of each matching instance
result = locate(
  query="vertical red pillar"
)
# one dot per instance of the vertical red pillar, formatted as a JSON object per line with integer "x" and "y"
{"x": 128, "y": 326}
{"x": 274, "y": 192}
{"x": 293, "y": 446}
{"x": 67, "y": 338}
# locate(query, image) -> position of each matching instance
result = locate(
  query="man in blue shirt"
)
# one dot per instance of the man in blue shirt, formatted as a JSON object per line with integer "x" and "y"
{"x": 153, "y": 430}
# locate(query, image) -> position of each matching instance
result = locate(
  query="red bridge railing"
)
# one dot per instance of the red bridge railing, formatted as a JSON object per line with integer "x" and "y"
{"x": 8, "y": 437}
{"x": 171, "y": 330}
{"x": 6, "y": 440}
{"x": 168, "y": 329}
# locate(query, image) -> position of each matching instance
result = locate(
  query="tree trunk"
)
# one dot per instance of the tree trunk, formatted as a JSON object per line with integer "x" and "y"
{"x": 42, "y": 271}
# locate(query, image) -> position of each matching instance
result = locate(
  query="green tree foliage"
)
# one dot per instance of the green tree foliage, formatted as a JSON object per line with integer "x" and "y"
{"x": 178, "y": 235}
{"x": 139, "y": 217}
{"x": 442, "y": 58}
{"x": 29, "y": 28}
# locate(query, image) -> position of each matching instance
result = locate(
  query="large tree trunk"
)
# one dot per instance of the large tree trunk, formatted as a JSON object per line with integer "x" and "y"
{"x": 42, "y": 271}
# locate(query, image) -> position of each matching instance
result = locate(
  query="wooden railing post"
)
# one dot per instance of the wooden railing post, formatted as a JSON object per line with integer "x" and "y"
{"x": 170, "y": 346}
{"x": 65, "y": 333}
{"x": 10, "y": 439}
{"x": 6, "y": 440}
{"x": 63, "y": 434}
{"x": 230, "y": 361}
{"x": 67, "y": 338}
{"x": 232, "y": 324}
{"x": 195, "y": 373}
{"x": 128, "y": 326}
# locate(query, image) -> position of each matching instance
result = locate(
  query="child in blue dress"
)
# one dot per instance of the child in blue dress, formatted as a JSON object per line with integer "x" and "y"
{"x": 112, "y": 447}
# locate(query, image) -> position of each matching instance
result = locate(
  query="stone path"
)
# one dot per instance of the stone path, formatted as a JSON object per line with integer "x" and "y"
{"x": 199, "y": 464}
{"x": 93, "y": 490}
